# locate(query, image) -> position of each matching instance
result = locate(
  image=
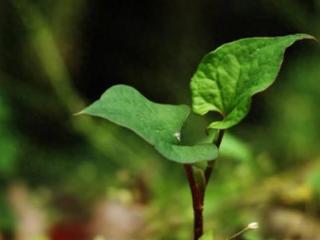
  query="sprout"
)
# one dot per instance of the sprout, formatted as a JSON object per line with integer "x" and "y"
{"x": 250, "y": 226}
{"x": 253, "y": 225}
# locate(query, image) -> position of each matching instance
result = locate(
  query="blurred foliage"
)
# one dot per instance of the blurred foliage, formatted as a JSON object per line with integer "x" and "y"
{"x": 8, "y": 141}
{"x": 56, "y": 56}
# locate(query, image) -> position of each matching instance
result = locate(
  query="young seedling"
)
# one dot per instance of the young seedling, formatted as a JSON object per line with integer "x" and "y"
{"x": 224, "y": 82}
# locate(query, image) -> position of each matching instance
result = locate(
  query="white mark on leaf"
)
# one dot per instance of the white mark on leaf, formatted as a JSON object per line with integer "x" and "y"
{"x": 178, "y": 136}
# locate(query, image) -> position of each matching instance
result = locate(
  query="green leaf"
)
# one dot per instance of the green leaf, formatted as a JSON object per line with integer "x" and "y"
{"x": 158, "y": 124}
{"x": 228, "y": 77}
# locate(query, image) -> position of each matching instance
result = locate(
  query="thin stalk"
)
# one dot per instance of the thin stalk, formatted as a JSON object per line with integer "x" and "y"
{"x": 211, "y": 164}
{"x": 238, "y": 234}
{"x": 197, "y": 202}
{"x": 198, "y": 190}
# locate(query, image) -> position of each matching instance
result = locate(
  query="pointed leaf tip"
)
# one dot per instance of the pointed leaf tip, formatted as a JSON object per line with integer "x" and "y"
{"x": 228, "y": 77}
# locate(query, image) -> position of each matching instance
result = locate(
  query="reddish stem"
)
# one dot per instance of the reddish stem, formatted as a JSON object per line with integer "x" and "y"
{"x": 198, "y": 191}
{"x": 197, "y": 202}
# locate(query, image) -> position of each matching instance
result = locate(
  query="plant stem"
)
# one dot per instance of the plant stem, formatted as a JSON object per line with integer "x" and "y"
{"x": 238, "y": 233}
{"x": 197, "y": 192}
{"x": 211, "y": 164}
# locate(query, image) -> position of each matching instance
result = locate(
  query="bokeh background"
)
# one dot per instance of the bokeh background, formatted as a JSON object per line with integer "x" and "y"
{"x": 65, "y": 177}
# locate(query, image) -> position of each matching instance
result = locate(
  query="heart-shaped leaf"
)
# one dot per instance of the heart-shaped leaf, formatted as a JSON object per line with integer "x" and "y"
{"x": 228, "y": 77}
{"x": 158, "y": 124}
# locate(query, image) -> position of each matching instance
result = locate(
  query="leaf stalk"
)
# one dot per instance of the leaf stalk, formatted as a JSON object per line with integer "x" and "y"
{"x": 197, "y": 193}
{"x": 198, "y": 189}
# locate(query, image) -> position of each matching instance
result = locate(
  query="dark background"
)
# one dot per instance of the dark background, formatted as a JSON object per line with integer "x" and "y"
{"x": 63, "y": 171}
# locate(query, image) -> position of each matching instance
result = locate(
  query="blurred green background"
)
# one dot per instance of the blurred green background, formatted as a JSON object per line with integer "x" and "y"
{"x": 75, "y": 177}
